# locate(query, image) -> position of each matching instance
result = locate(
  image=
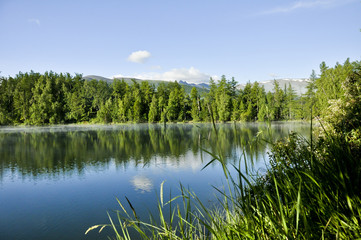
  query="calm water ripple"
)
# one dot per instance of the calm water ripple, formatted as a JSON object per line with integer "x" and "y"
{"x": 57, "y": 181}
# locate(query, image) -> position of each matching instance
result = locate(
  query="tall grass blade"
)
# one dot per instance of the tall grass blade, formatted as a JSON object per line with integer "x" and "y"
{"x": 131, "y": 206}
{"x": 161, "y": 193}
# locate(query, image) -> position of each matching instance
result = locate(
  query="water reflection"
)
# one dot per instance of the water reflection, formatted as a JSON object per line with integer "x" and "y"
{"x": 55, "y": 182}
{"x": 142, "y": 183}
{"x": 60, "y": 151}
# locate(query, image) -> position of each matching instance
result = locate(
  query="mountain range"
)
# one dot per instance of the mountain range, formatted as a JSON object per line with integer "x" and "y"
{"x": 298, "y": 84}
{"x": 203, "y": 87}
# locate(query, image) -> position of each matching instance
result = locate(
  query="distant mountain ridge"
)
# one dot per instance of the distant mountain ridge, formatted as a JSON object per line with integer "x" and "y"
{"x": 298, "y": 84}
{"x": 203, "y": 87}
{"x": 108, "y": 80}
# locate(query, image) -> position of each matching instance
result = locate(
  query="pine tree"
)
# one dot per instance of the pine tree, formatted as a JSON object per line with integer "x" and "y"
{"x": 262, "y": 113}
{"x": 278, "y": 99}
{"x": 223, "y": 100}
{"x": 7, "y": 87}
{"x": 119, "y": 88}
{"x": 210, "y": 100}
{"x": 137, "y": 109}
{"x": 309, "y": 98}
{"x": 41, "y": 103}
{"x": 195, "y": 111}
{"x": 270, "y": 106}
{"x": 291, "y": 104}
{"x": 235, "y": 110}
{"x": 242, "y": 111}
{"x": 146, "y": 91}
{"x": 104, "y": 114}
{"x": 172, "y": 113}
{"x": 248, "y": 115}
{"x": 329, "y": 84}
{"x": 76, "y": 105}
{"x": 223, "y": 107}
{"x": 23, "y": 95}
{"x": 153, "y": 110}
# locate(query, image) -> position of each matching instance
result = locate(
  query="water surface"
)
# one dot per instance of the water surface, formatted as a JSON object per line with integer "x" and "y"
{"x": 55, "y": 182}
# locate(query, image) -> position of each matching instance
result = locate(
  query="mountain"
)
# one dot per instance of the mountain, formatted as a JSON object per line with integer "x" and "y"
{"x": 298, "y": 84}
{"x": 200, "y": 85}
{"x": 108, "y": 80}
{"x": 202, "y": 88}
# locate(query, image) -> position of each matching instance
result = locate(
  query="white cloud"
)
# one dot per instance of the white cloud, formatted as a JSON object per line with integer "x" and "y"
{"x": 139, "y": 56}
{"x": 34, "y": 20}
{"x": 307, "y": 5}
{"x": 191, "y": 75}
{"x": 117, "y": 76}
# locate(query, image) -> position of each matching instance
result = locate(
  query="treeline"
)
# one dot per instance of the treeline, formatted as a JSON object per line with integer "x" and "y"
{"x": 51, "y": 98}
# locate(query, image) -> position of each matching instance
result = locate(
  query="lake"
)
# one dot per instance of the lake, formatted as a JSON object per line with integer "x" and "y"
{"x": 55, "y": 182}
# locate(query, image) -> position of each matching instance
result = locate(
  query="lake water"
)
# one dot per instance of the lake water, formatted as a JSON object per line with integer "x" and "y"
{"x": 55, "y": 182}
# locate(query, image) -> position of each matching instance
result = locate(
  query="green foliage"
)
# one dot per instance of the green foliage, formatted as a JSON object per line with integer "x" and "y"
{"x": 329, "y": 84}
{"x": 195, "y": 111}
{"x": 175, "y": 108}
{"x": 308, "y": 99}
{"x": 153, "y": 110}
{"x": 105, "y": 112}
{"x": 262, "y": 113}
{"x": 51, "y": 98}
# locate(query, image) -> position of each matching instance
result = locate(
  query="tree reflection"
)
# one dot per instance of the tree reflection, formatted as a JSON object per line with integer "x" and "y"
{"x": 35, "y": 153}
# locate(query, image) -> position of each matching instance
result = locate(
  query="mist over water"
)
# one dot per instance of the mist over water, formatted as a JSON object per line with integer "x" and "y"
{"x": 57, "y": 181}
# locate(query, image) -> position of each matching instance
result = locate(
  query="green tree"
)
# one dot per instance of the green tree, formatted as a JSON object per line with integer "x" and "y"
{"x": 41, "y": 103}
{"x": 153, "y": 115}
{"x": 76, "y": 103}
{"x": 223, "y": 100}
{"x": 329, "y": 84}
{"x": 175, "y": 106}
{"x": 23, "y": 95}
{"x": 195, "y": 111}
{"x": 104, "y": 114}
{"x": 137, "y": 107}
{"x": 119, "y": 88}
{"x": 235, "y": 110}
{"x": 242, "y": 111}
{"x": 147, "y": 92}
{"x": 278, "y": 99}
{"x": 291, "y": 103}
{"x": 309, "y": 98}
{"x": 210, "y": 100}
{"x": 7, "y": 87}
{"x": 263, "y": 110}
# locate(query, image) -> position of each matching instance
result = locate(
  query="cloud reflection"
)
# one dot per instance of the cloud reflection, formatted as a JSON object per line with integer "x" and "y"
{"x": 142, "y": 183}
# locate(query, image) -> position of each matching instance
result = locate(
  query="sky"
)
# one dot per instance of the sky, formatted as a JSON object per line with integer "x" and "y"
{"x": 179, "y": 40}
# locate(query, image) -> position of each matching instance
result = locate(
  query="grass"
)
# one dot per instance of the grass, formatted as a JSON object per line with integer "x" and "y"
{"x": 310, "y": 191}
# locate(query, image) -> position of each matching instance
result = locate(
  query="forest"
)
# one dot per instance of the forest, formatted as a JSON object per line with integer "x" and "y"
{"x": 36, "y": 99}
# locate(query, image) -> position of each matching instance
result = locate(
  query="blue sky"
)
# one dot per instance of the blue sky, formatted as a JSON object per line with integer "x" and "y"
{"x": 179, "y": 40}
